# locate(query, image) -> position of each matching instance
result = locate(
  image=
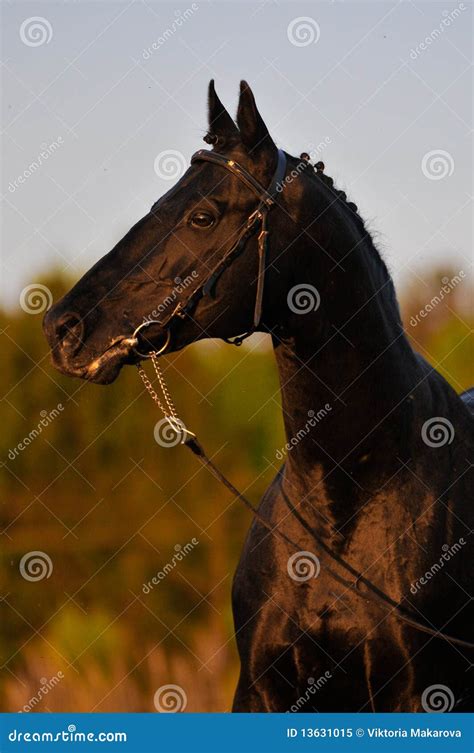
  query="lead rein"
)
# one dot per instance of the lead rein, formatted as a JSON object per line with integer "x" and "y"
{"x": 373, "y": 593}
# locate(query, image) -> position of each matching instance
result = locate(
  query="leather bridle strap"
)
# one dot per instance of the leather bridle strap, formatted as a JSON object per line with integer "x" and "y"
{"x": 264, "y": 194}
{"x": 267, "y": 198}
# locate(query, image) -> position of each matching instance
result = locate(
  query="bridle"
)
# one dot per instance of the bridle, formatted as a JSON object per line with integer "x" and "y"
{"x": 257, "y": 219}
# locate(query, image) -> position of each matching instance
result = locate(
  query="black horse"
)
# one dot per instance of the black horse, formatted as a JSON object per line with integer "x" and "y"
{"x": 378, "y": 461}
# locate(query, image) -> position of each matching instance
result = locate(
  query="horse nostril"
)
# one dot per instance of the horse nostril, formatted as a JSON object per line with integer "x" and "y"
{"x": 69, "y": 332}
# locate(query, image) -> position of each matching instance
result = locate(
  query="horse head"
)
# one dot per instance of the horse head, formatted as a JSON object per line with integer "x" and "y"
{"x": 133, "y": 300}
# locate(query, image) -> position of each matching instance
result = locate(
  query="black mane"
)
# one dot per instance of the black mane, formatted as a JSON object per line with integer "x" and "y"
{"x": 338, "y": 197}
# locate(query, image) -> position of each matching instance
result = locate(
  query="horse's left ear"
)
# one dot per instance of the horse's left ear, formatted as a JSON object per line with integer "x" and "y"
{"x": 221, "y": 126}
{"x": 253, "y": 131}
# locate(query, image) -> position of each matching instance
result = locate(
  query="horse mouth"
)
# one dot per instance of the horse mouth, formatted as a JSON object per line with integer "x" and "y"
{"x": 102, "y": 369}
{"x": 105, "y": 368}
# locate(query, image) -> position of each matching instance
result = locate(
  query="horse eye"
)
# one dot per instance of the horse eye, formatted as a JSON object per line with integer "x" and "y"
{"x": 202, "y": 219}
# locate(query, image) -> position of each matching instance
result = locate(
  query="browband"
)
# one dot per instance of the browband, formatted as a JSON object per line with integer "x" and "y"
{"x": 264, "y": 194}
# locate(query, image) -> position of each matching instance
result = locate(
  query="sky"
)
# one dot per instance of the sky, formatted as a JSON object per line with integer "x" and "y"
{"x": 114, "y": 94}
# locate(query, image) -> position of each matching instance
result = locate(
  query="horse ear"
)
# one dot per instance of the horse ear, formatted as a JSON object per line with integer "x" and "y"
{"x": 253, "y": 131}
{"x": 221, "y": 126}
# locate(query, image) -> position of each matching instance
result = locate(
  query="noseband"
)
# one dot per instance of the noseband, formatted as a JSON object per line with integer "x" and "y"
{"x": 257, "y": 219}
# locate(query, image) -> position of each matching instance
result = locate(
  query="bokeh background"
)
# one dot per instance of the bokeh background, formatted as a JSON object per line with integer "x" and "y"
{"x": 382, "y": 92}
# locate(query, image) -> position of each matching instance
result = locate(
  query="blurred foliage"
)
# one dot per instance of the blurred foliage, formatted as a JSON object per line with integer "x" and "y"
{"x": 111, "y": 507}
{"x": 438, "y": 314}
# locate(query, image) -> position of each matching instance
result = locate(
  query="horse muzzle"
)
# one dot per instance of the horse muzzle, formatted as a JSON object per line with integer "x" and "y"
{"x": 75, "y": 353}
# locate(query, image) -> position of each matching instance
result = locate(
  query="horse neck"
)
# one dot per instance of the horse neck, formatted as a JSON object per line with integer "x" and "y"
{"x": 346, "y": 369}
